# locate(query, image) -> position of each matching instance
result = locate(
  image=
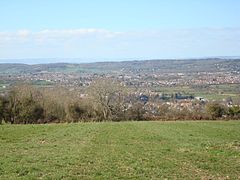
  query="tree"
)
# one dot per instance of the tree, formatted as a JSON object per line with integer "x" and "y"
{"x": 54, "y": 112}
{"x": 136, "y": 112}
{"x": 215, "y": 110}
{"x": 234, "y": 111}
{"x": 30, "y": 111}
{"x": 24, "y": 105}
{"x": 107, "y": 97}
{"x": 76, "y": 112}
{"x": 3, "y": 109}
{"x": 13, "y": 106}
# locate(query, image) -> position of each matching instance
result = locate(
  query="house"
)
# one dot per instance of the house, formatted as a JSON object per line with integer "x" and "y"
{"x": 143, "y": 98}
{"x": 200, "y": 99}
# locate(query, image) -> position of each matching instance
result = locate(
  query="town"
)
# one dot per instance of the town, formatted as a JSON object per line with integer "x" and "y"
{"x": 145, "y": 86}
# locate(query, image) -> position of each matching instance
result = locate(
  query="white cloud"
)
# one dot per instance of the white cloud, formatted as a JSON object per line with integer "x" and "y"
{"x": 73, "y": 33}
{"x": 56, "y": 34}
{"x": 101, "y": 43}
{"x": 23, "y": 33}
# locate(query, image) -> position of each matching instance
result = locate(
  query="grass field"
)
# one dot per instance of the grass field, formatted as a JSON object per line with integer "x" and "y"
{"x": 137, "y": 150}
{"x": 210, "y": 92}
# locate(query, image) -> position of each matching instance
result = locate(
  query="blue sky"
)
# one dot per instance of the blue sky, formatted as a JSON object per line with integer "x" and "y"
{"x": 117, "y": 30}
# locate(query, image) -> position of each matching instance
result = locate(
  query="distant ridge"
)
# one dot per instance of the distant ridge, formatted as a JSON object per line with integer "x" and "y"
{"x": 32, "y": 61}
{"x": 139, "y": 66}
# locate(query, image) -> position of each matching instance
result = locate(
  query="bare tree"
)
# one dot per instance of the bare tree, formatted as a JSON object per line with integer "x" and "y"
{"x": 107, "y": 97}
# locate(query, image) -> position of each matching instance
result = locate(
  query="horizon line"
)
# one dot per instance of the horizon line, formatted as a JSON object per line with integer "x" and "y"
{"x": 111, "y": 61}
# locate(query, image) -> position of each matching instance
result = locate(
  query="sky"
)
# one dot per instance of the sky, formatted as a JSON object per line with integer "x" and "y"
{"x": 108, "y": 30}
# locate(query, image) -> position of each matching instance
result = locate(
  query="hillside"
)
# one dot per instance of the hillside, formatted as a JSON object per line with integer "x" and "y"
{"x": 188, "y": 65}
{"x": 146, "y": 150}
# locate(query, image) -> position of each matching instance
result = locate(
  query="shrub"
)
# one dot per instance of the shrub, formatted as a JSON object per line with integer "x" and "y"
{"x": 215, "y": 110}
{"x": 3, "y": 109}
{"x": 54, "y": 112}
{"x": 136, "y": 112}
{"x": 234, "y": 112}
{"x": 75, "y": 112}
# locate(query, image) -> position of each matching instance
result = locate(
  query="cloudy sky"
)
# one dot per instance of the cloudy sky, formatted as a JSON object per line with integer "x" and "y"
{"x": 99, "y": 30}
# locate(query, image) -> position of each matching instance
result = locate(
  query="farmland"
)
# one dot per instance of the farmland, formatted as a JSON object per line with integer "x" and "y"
{"x": 187, "y": 149}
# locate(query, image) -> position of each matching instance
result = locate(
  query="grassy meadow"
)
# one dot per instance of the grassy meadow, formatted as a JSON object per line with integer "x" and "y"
{"x": 137, "y": 150}
{"x": 216, "y": 92}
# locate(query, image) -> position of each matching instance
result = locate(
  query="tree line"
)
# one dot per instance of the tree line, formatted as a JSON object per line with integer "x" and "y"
{"x": 105, "y": 101}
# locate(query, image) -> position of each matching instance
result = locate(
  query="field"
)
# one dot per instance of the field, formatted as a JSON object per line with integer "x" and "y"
{"x": 210, "y": 92}
{"x": 137, "y": 150}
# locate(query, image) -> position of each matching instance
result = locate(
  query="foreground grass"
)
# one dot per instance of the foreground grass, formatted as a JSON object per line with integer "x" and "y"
{"x": 138, "y": 150}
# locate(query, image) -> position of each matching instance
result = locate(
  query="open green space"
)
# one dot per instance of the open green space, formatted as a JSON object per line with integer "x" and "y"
{"x": 3, "y": 86}
{"x": 137, "y": 150}
{"x": 211, "y": 92}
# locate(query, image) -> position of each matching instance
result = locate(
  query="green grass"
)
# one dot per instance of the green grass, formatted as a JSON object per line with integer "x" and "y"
{"x": 2, "y": 88}
{"x": 137, "y": 150}
{"x": 41, "y": 83}
{"x": 210, "y": 92}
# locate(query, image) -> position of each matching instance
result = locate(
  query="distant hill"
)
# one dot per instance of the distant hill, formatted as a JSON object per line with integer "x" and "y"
{"x": 145, "y": 66}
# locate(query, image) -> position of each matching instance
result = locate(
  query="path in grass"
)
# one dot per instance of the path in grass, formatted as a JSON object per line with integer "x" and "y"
{"x": 200, "y": 150}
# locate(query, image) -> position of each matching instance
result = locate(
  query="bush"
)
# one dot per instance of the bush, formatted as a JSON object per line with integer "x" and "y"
{"x": 3, "y": 109}
{"x": 54, "y": 112}
{"x": 29, "y": 111}
{"x": 234, "y": 112}
{"x": 25, "y": 104}
{"x": 215, "y": 110}
{"x": 75, "y": 112}
{"x": 136, "y": 112}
